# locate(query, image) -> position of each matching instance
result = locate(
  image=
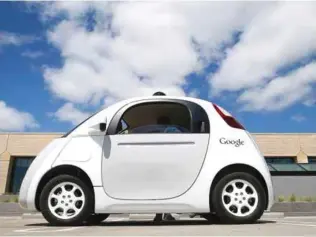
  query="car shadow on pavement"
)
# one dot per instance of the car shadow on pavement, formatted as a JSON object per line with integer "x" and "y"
{"x": 151, "y": 223}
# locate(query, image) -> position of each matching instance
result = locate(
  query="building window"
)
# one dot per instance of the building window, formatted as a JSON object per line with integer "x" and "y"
{"x": 279, "y": 160}
{"x": 19, "y": 168}
{"x": 312, "y": 159}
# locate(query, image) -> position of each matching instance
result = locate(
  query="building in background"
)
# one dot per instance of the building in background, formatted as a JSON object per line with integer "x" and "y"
{"x": 283, "y": 152}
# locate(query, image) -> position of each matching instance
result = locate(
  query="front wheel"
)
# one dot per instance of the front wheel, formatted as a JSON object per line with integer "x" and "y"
{"x": 66, "y": 200}
{"x": 239, "y": 198}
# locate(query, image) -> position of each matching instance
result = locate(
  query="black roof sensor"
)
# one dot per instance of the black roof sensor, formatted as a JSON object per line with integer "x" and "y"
{"x": 159, "y": 93}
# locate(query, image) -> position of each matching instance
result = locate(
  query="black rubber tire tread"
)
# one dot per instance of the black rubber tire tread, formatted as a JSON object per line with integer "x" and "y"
{"x": 220, "y": 210}
{"x": 81, "y": 217}
{"x": 96, "y": 218}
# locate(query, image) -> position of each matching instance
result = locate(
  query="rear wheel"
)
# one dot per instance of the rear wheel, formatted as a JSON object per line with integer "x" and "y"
{"x": 238, "y": 198}
{"x": 66, "y": 200}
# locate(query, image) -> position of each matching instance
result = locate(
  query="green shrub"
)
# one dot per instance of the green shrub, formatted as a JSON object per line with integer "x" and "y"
{"x": 281, "y": 198}
{"x": 293, "y": 198}
{"x": 309, "y": 199}
{"x": 14, "y": 199}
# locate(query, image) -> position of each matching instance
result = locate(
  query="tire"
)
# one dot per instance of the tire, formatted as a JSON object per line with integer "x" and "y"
{"x": 247, "y": 215}
{"x": 82, "y": 197}
{"x": 95, "y": 219}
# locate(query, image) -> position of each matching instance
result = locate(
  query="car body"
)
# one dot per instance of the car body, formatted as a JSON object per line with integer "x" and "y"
{"x": 122, "y": 160}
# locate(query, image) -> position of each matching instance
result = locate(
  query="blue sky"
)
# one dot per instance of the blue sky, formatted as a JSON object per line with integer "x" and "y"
{"x": 58, "y": 64}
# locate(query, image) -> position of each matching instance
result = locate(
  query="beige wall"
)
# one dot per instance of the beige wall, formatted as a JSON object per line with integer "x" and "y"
{"x": 19, "y": 144}
{"x": 30, "y": 144}
{"x": 298, "y": 145}
{"x": 3, "y": 142}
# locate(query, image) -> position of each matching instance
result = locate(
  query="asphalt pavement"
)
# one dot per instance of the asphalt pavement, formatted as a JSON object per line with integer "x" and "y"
{"x": 126, "y": 226}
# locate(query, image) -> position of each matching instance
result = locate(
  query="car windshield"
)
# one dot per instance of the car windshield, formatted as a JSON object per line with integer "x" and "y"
{"x": 65, "y": 135}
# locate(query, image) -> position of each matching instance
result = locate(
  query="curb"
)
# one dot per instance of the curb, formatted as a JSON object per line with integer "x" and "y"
{"x": 32, "y": 216}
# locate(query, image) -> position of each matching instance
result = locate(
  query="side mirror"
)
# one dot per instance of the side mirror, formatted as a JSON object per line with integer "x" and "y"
{"x": 102, "y": 127}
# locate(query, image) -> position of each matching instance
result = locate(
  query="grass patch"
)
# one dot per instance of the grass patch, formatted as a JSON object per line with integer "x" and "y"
{"x": 9, "y": 199}
{"x": 294, "y": 198}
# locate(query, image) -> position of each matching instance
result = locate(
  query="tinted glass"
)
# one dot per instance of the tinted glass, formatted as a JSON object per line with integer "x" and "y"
{"x": 19, "y": 168}
{"x": 287, "y": 167}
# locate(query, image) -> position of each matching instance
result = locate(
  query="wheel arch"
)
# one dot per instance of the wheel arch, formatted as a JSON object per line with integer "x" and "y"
{"x": 59, "y": 170}
{"x": 239, "y": 168}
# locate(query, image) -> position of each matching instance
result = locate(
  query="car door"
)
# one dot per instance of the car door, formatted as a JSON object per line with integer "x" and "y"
{"x": 142, "y": 162}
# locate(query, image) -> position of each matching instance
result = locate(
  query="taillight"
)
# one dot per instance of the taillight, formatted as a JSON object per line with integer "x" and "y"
{"x": 228, "y": 119}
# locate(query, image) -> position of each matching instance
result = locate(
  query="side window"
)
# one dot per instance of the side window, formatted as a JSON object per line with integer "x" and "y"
{"x": 157, "y": 117}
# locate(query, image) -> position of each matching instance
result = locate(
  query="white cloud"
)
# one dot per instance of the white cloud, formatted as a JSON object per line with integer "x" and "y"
{"x": 279, "y": 36}
{"x": 298, "y": 118}
{"x": 281, "y": 92}
{"x": 68, "y": 113}
{"x": 13, "y": 120}
{"x": 194, "y": 93}
{"x": 9, "y": 38}
{"x": 32, "y": 54}
{"x": 153, "y": 40}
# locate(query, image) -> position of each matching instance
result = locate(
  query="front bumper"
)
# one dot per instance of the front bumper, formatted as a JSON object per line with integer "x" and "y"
{"x": 270, "y": 195}
{"x": 39, "y": 167}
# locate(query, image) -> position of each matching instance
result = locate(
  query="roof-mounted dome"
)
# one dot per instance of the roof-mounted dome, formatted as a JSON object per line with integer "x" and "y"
{"x": 159, "y": 93}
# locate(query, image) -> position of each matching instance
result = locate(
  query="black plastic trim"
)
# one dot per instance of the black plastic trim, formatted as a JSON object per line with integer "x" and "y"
{"x": 293, "y": 173}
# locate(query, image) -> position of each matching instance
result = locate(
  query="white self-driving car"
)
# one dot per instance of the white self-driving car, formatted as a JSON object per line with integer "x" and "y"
{"x": 156, "y": 154}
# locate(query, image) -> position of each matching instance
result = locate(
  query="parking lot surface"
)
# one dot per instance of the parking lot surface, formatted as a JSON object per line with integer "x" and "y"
{"x": 123, "y": 226}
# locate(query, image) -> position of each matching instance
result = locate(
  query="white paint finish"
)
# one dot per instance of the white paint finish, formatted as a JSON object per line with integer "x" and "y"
{"x": 195, "y": 199}
{"x": 76, "y": 150}
{"x": 106, "y": 204}
{"x": 151, "y": 166}
{"x": 88, "y": 152}
{"x": 41, "y": 164}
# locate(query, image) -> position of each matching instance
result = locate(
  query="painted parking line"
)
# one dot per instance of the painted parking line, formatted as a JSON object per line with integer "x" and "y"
{"x": 299, "y": 217}
{"x": 10, "y": 217}
{"x": 46, "y": 229}
{"x": 306, "y": 224}
{"x": 300, "y": 222}
{"x": 118, "y": 219}
{"x": 51, "y": 230}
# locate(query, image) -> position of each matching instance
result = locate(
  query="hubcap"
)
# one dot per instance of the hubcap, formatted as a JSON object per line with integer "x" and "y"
{"x": 240, "y": 197}
{"x": 66, "y": 200}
